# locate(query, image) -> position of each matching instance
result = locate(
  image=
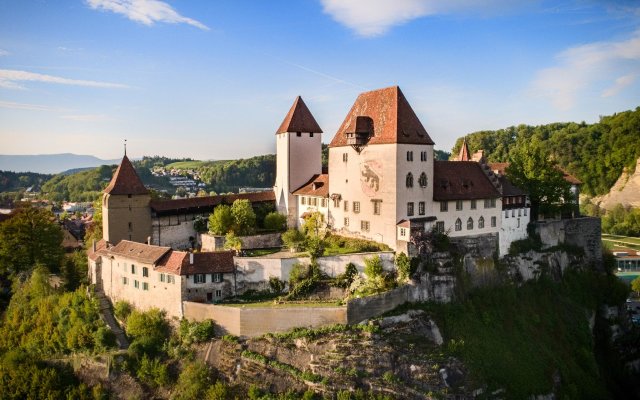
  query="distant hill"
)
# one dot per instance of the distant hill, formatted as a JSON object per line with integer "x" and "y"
{"x": 50, "y": 163}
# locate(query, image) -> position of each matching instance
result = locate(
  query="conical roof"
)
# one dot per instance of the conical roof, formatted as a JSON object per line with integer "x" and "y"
{"x": 464, "y": 154}
{"x": 389, "y": 116}
{"x": 299, "y": 119}
{"x": 126, "y": 180}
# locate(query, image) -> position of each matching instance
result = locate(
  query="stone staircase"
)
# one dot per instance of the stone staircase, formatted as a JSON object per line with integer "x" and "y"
{"x": 106, "y": 313}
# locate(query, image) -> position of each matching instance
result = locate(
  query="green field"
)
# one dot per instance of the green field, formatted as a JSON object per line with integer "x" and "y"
{"x": 612, "y": 242}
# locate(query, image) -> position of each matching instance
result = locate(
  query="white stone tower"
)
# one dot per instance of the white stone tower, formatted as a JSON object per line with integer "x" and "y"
{"x": 299, "y": 157}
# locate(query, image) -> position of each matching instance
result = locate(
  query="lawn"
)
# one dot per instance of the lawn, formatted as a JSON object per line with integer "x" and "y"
{"x": 611, "y": 241}
{"x": 260, "y": 252}
{"x": 285, "y": 304}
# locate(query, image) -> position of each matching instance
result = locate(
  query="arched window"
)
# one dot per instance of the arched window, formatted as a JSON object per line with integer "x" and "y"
{"x": 470, "y": 224}
{"x": 422, "y": 180}
{"x": 480, "y": 222}
{"x": 458, "y": 225}
{"x": 409, "y": 180}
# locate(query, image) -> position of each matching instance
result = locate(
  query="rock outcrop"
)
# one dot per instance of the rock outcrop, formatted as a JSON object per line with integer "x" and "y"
{"x": 625, "y": 191}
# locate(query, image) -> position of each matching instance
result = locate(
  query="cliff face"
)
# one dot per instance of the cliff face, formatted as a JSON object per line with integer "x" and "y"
{"x": 625, "y": 191}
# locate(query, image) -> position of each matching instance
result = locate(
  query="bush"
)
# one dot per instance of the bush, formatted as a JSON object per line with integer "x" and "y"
{"x": 315, "y": 247}
{"x": 153, "y": 372}
{"x": 196, "y": 332}
{"x": 219, "y": 391}
{"x": 103, "y": 338}
{"x": 403, "y": 264}
{"x": 275, "y": 221}
{"x": 221, "y": 220}
{"x": 149, "y": 329}
{"x": 193, "y": 381}
{"x": 373, "y": 267}
{"x": 232, "y": 242}
{"x": 276, "y": 285}
{"x": 345, "y": 279}
{"x": 122, "y": 310}
{"x": 244, "y": 218}
{"x": 293, "y": 239}
{"x": 298, "y": 272}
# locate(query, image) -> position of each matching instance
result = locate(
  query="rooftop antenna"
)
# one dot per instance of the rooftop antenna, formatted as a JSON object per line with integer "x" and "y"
{"x": 125, "y": 147}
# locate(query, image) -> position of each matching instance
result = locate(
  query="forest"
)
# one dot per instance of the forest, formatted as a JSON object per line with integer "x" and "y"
{"x": 595, "y": 153}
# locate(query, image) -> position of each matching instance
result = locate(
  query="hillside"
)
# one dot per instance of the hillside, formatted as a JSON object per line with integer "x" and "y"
{"x": 596, "y": 153}
{"x": 50, "y": 163}
{"x": 625, "y": 191}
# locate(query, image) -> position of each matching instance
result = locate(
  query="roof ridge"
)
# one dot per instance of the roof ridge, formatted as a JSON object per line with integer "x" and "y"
{"x": 126, "y": 180}
{"x": 299, "y": 119}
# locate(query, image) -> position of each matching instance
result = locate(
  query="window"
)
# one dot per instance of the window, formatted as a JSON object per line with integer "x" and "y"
{"x": 403, "y": 232}
{"x": 145, "y": 272}
{"x": 346, "y": 221}
{"x": 473, "y": 204}
{"x": 323, "y": 203}
{"x": 163, "y": 278}
{"x": 310, "y": 134}
{"x": 376, "y": 206}
{"x": 493, "y": 222}
{"x": 171, "y": 279}
{"x": 440, "y": 226}
{"x": 470, "y": 224}
{"x": 410, "y": 208}
{"x": 124, "y": 280}
{"x": 409, "y": 155}
{"x": 217, "y": 277}
{"x": 303, "y": 200}
{"x": 444, "y": 206}
{"x": 346, "y": 205}
{"x": 356, "y": 207}
{"x": 364, "y": 226}
{"x": 423, "y": 156}
{"x": 513, "y": 213}
{"x": 409, "y": 180}
{"x": 129, "y": 196}
{"x": 519, "y": 211}
{"x": 458, "y": 205}
{"x": 458, "y": 225}
{"x": 480, "y": 222}
{"x": 421, "y": 208}
{"x": 336, "y": 202}
{"x": 525, "y": 211}
{"x": 199, "y": 278}
{"x": 145, "y": 286}
{"x": 489, "y": 203}
{"x": 345, "y": 157}
{"x": 136, "y": 284}
{"x": 218, "y": 293}
{"x": 133, "y": 269}
{"x": 518, "y": 223}
{"x": 299, "y": 134}
{"x": 506, "y": 213}
{"x": 422, "y": 181}
{"x": 313, "y": 201}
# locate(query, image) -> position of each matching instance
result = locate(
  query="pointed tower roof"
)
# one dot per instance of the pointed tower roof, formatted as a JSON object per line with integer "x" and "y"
{"x": 299, "y": 119}
{"x": 126, "y": 180}
{"x": 389, "y": 117}
{"x": 464, "y": 154}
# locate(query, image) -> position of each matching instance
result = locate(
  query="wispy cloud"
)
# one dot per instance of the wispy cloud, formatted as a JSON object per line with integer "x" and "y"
{"x": 614, "y": 64}
{"x": 9, "y": 80}
{"x": 370, "y": 18}
{"x": 146, "y": 12}
{"x": 3, "y": 53}
{"x": 24, "y": 106}
{"x": 86, "y": 117}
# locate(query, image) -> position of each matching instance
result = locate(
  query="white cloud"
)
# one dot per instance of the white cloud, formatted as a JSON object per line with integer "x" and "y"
{"x": 375, "y": 17}
{"x": 23, "y": 106}
{"x": 3, "y": 53}
{"x": 146, "y": 12}
{"x": 9, "y": 80}
{"x": 615, "y": 64}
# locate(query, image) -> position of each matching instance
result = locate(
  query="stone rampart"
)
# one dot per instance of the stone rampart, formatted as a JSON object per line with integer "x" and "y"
{"x": 584, "y": 232}
{"x": 262, "y": 241}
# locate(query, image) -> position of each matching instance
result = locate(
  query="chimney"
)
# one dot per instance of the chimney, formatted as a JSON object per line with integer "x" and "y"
{"x": 149, "y": 240}
{"x": 93, "y": 245}
{"x": 191, "y": 258}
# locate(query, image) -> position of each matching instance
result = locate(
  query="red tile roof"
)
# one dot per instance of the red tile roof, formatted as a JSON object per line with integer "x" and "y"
{"x": 140, "y": 252}
{"x": 126, "y": 180}
{"x": 101, "y": 245}
{"x": 392, "y": 119}
{"x": 508, "y": 188}
{"x": 463, "y": 154}
{"x": 570, "y": 178}
{"x": 318, "y": 186}
{"x": 461, "y": 180}
{"x": 299, "y": 119}
{"x": 207, "y": 203}
{"x": 178, "y": 263}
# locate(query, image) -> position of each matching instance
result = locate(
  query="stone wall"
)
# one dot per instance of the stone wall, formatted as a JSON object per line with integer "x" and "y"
{"x": 174, "y": 231}
{"x": 584, "y": 232}
{"x": 479, "y": 246}
{"x": 258, "y": 321}
{"x": 263, "y": 241}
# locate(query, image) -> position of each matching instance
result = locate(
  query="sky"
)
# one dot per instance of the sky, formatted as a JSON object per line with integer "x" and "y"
{"x": 214, "y": 79}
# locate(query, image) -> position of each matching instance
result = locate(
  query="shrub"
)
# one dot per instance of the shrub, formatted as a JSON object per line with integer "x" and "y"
{"x": 293, "y": 239}
{"x": 149, "y": 329}
{"x": 276, "y": 285}
{"x": 200, "y": 224}
{"x": 103, "y": 338}
{"x": 373, "y": 267}
{"x": 345, "y": 279}
{"x": 193, "y": 381}
{"x": 122, "y": 309}
{"x": 221, "y": 220}
{"x": 196, "y": 332}
{"x": 275, "y": 221}
{"x": 152, "y": 372}
{"x": 403, "y": 264}
{"x": 232, "y": 242}
{"x": 219, "y": 391}
{"x": 315, "y": 247}
{"x": 298, "y": 272}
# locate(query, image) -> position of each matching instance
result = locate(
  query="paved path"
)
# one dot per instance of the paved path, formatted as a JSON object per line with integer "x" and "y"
{"x": 106, "y": 312}
{"x": 621, "y": 241}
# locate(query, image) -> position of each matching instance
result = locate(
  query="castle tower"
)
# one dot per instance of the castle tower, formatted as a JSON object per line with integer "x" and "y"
{"x": 126, "y": 214}
{"x": 464, "y": 154}
{"x": 298, "y": 156}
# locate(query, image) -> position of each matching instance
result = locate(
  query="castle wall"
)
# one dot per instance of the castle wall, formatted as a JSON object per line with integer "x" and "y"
{"x": 174, "y": 231}
{"x": 450, "y": 216}
{"x": 584, "y": 232}
{"x": 513, "y": 227}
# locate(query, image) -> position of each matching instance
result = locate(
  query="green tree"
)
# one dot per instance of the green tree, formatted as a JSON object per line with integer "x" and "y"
{"x": 313, "y": 224}
{"x": 244, "y": 218}
{"x": 232, "y": 242}
{"x": 293, "y": 239}
{"x": 373, "y": 267}
{"x": 536, "y": 173}
{"x": 403, "y": 264}
{"x": 275, "y": 221}
{"x": 31, "y": 237}
{"x": 193, "y": 382}
{"x": 635, "y": 286}
{"x": 148, "y": 328}
{"x": 221, "y": 221}
{"x": 94, "y": 232}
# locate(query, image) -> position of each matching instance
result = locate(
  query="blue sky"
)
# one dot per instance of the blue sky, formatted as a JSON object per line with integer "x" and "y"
{"x": 214, "y": 79}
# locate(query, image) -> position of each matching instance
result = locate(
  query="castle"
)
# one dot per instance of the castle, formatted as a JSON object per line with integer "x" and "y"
{"x": 382, "y": 184}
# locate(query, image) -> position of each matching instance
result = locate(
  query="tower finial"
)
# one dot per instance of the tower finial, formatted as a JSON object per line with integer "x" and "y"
{"x": 125, "y": 147}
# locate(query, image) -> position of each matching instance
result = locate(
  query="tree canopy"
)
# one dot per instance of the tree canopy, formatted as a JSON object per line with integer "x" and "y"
{"x": 32, "y": 236}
